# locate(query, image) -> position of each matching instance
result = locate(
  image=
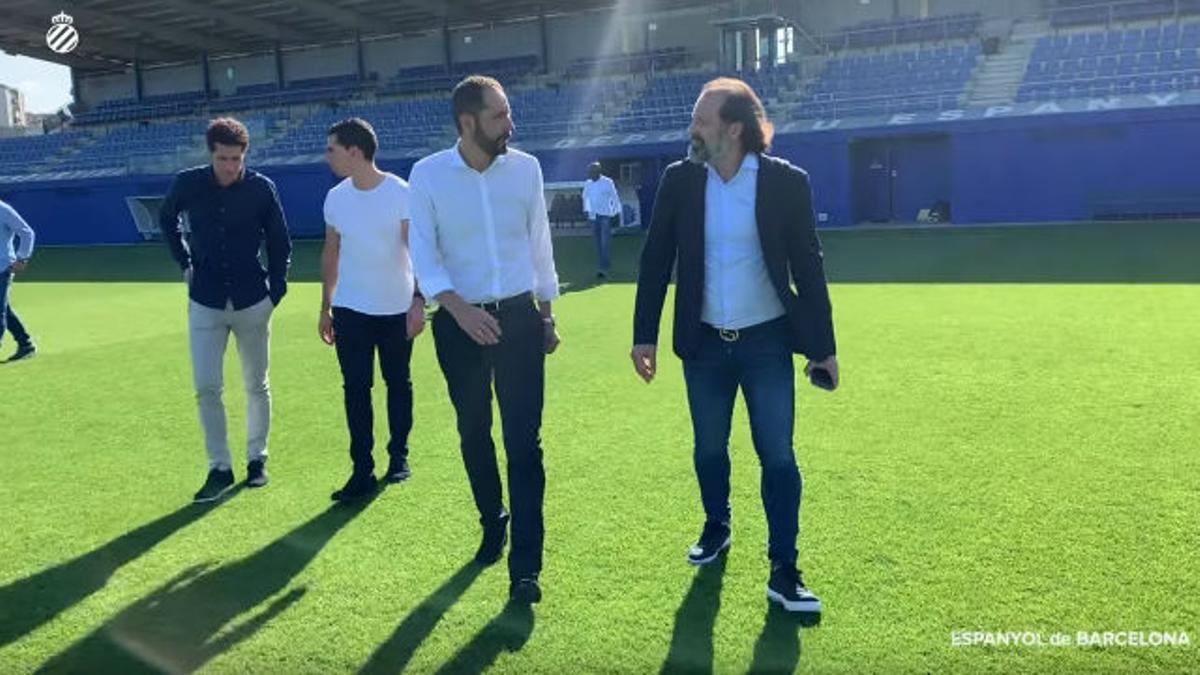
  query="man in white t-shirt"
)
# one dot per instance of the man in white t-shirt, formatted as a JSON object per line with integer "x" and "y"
{"x": 602, "y": 205}
{"x": 369, "y": 301}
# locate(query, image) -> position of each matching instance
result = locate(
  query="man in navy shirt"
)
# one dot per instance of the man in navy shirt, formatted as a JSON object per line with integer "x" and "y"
{"x": 231, "y": 211}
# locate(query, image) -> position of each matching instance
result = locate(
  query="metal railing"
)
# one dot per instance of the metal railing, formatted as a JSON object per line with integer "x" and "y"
{"x": 1061, "y": 16}
{"x": 941, "y": 30}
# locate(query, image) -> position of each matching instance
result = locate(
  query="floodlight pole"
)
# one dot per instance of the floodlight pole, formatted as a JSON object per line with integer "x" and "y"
{"x": 279, "y": 64}
{"x": 205, "y": 74}
{"x": 138, "y": 88}
{"x": 358, "y": 50}
{"x": 545, "y": 47}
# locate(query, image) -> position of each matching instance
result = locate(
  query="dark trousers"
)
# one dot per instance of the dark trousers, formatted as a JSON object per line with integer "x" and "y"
{"x": 358, "y": 337}
{"x": 760, "y": 362}
{"x": 517, "y": 367}
{"x": 8, "y": 318}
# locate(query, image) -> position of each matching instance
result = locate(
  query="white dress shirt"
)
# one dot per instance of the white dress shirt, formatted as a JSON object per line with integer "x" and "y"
{"x": 737, "y": 290}
{"x": 374, "y": 271}
{"x": 600, "y": 197}
{"x": 484, "y": 235}
{"x": 12, "y": 225}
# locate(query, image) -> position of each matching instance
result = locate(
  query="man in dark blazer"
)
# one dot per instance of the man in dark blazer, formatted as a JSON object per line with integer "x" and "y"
{"x": 750, "y": 292}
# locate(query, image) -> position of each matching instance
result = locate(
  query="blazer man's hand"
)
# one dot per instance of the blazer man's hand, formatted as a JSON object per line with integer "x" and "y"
{"x": 645, "y": 361}
{"x": 830, "y": 365}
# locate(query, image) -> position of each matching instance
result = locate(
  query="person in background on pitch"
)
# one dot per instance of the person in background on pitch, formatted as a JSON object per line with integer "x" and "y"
{"x": 231, "y": 211}
{"x": 481, "y": 246}
{"x": 602, "y": 205}
{"x": 13, "y": 261}
{"x": 369, "y": 302}
{"x": 741, "y": 224}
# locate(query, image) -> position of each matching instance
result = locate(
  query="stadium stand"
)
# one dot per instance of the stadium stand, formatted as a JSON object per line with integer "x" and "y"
{"x": 671, "y": 58}
{"x": 1135, "y": 60}
{"x": 29, "y": 154}
{"x": 861, "y": 73}
{"x": 884, "y": 33}
{"x": 877, "y": 68}
{"x": 1068, "y": 13}
{"x": 439, "y": 78}
{"x": 903, "y": 80}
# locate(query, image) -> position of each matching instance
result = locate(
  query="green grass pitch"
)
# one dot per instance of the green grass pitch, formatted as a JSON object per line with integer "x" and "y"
{"x": 1015, "y": 447}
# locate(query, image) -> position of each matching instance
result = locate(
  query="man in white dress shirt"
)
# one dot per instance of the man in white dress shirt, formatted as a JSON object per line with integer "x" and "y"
{"x": 602, "y": 205}
{"x": 481, "y": 247}
{"x": 369, "y": 301}
{"x": 13, "y": 260}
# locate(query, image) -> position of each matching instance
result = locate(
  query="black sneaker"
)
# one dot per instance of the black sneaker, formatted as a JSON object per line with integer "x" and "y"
{"x": 714, "y": 540}
{"x": 216, "y": 485}
{"x": 256, "y": 473}
{"x": 23, "y": 352}
{"x": 787, "y": 588}
{"x": 495, "y": 536}
{"x": 397, "y": 471}
{"x": 359, "y": 486}
{"x": 525, "y": 590}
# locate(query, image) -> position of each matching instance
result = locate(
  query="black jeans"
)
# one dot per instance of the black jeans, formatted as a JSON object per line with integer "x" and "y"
{"x": 517, "y": 364}
{"x": 358, "y": 337}
{"x": 8, "y": 318}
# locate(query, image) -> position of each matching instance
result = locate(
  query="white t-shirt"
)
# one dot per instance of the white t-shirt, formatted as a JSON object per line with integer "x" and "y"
{"x": 375, "y": 274}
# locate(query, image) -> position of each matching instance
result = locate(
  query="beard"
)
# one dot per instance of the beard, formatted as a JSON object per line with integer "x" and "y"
{"x": 700, "y": 152}
{"x": 492, "y": 146}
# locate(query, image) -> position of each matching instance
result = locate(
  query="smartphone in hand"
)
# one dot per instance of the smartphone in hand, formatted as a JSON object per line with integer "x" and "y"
{"x": 820, "y": 377}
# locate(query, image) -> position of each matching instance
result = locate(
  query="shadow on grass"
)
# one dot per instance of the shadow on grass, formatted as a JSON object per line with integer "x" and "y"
{"x": 185, "y": 623}
{"x": 692, "y": 640}
{"x": 778, "y": 646}
{"x": 393, "y": 656}
{"x": 508, "y": 632}
{"x": 28, "y": 603}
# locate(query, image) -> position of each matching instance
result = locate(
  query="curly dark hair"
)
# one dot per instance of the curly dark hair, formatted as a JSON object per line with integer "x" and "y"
{"x": 226, "y": 131}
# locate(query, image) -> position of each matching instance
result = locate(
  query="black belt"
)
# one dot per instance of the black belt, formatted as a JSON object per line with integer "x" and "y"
{"x": 735, "y": 334}
{"x": 496, "y": 306}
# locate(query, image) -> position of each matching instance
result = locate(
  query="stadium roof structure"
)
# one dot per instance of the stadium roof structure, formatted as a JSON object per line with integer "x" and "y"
{"x": 115, "y": 33}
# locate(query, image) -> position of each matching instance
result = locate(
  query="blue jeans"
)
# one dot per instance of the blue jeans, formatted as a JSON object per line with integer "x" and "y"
{"x": 8, "y": 318}
{"x": 602, "y": 232}
{"x": 760, "y": 362}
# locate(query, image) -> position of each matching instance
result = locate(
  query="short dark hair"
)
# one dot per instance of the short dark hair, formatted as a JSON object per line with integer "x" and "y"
{"x": 356, "y": 133}
{"x": 226, "y": 131}
{"x": 743, "y": 105}
{"x": 468, "y": 96}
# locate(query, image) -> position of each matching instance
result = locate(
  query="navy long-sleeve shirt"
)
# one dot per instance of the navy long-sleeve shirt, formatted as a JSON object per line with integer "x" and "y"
{"x": 228, "y": 225}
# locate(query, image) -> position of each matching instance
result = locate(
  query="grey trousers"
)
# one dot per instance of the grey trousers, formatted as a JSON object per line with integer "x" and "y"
{"x": 209, "y": 334}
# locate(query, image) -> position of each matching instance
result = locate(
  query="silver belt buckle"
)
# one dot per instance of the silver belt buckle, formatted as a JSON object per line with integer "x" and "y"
{"x": 493, "y": 306}
{"x": 728, "y": 335}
